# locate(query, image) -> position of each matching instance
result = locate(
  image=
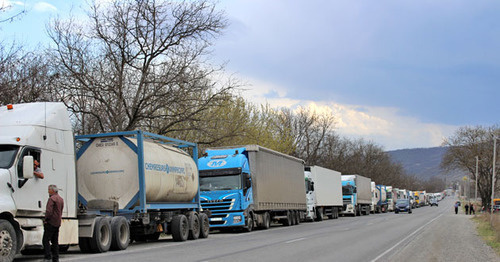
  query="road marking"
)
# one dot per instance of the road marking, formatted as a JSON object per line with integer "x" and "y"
{"x": 404, "y": 239}
{"x": 294, "y": 240}
{"x": 345, "y": 229}
{"x": 369, "y": 224}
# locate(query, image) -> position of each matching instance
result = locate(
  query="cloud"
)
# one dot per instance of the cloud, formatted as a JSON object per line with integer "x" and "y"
{"x": 44, "y": 7}
{"x": 383, "y": 125}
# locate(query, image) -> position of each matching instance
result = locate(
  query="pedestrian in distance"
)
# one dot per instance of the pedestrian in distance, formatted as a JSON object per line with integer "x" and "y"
{"x": 466, "y": 208}
{"x": 456, "y": 207}
{"x": 471, "y": 209}
{"x": 53, "y": 216}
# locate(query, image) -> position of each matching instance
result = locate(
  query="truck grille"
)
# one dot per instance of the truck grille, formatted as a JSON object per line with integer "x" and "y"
{"x": 218, "y": 205}
{"x": 347, "y": 201}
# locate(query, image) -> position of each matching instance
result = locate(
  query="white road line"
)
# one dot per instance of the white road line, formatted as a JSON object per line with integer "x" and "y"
{"x": 404, "y": 239}
{"x": 294, "y": 240}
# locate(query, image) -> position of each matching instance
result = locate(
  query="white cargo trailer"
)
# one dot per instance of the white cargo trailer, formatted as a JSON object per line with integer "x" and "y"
{"x": 324, "y": 193}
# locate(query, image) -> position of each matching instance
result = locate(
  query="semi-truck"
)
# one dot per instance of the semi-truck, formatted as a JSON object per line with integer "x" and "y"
{"x": 247, "y": 186}
{"x": 125, "y": 185}
{"x": 324, "y": 193}
{"x": 382, "y": 199}
{"x": 391, "y": 197}
{"x": 375, "y": 198}
{"x": 356, "y": 193}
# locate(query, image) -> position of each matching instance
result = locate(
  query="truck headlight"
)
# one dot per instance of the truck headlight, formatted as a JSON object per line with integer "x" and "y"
{"x": 236, "y": 219}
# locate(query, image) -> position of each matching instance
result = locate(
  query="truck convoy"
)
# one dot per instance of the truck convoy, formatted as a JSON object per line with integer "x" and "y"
{"x": 247, "y": 186}
{"x": 131, "y": 185}
{"x": 136, "y": 185}
{"x": 356, "y": 193}
{"x": 324, "y": 193}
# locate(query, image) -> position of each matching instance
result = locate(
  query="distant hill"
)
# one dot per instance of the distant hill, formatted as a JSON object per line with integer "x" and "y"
{"x": 424, "y": 162}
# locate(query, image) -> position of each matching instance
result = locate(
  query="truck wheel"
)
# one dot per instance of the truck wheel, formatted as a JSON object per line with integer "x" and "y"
{"x": 84, "y": 244}
{"x": 266, "y": 221}
{"x": 180, "y": 228}
{"x": 194, "y": 226}
{"x": 288, "y": 220}
{"x": 204, "y": 225}
{"x": 249, "y": 226}
{"x": 297, "y": 213}
{"x": 319, "y": 214}
{"x": 120, "y": 231}
{"x": 294, "y": 217}
{"x": 8, "y": 241}
{"x": 101, "y": 241}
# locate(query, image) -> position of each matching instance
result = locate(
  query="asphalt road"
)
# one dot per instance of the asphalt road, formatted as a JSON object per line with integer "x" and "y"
{"x": 429, "y": 234}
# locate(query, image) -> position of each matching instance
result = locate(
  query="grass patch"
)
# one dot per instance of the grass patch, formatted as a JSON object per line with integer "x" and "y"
{"x": 490, "y": 232}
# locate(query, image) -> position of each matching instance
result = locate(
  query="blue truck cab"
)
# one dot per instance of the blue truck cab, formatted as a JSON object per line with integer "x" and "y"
{"x": 225, "y": 187}
{"x": 349, "y": 197}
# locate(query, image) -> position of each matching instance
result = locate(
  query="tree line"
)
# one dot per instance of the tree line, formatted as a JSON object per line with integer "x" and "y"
{"x": 145, "y": 65}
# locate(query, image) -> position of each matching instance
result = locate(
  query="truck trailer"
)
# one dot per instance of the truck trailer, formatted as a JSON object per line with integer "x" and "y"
{"x": 324, "y": 193}
{"x": 247, "y": 186}
{"x": 122, "y": 182}
{"x": 356, "y": 193}
{"x": 382, "y": 203}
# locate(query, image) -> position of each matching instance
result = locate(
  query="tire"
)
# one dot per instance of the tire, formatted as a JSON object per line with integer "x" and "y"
{"x": 332, "y": 214}
{"x": 294, "y": 218}
{"x": 287, "y": 222}
{"x": 266, "y": 223}
{"x": 84, "y": 244}
{"x": 101, "y": 241}
{"x": 409, "y": 212}
{"x": 120, "y": 231}
{"x": 8, "y": 241}
{"x": 180, "y": 228}
{"x": 204, "y": 225}
{"x": 319, "y": 214}
{"x": 297, "y": 217}
{"x": 249, "y": 226}
{"x": 194, "y": 226}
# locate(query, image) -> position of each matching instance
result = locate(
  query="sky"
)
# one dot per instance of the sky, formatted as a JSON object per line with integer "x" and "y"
{"x": 403, "y": 74}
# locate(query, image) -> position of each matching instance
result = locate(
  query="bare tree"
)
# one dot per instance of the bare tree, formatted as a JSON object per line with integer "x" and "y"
{"x": 24, "y": 76}
{"x": 464, "y": 146}
{"x": 138, "y": 64}
{"x": 4, "y": 7}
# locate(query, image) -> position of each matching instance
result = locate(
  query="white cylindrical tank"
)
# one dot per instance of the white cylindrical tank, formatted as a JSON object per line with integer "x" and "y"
{"x": 108, "y": 169}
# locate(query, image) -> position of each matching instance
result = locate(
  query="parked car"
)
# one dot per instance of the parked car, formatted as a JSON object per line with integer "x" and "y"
{"x": 433, "y": 201}
{"x": 402, "y": 205}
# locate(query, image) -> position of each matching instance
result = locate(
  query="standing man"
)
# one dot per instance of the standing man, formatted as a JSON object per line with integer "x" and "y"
{"x": 53, "y": 216}
{"x": 456, "y": 207}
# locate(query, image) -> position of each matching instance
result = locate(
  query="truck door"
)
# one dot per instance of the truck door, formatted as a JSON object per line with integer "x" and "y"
{"x": 29, "y": 193}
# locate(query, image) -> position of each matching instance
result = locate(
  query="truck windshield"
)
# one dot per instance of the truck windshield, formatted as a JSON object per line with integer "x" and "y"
{"x": 7, "y": 155}
{"x": 228, "y": 182}
{"x": 347, "y": 190}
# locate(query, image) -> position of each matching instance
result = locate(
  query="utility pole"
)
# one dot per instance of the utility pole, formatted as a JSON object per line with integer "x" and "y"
{"x": 493, "y": 178}
{"x": 477, "y": 178}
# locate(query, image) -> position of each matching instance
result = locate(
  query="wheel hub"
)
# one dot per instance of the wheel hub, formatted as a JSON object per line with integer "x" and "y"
{"x": 6, "y": 243}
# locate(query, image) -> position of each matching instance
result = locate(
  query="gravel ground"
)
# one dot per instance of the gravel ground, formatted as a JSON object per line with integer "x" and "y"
{"x": 449, "y": 238}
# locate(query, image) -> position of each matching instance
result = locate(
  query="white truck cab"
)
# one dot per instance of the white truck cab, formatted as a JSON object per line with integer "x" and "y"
{"x": 28, "y": 132}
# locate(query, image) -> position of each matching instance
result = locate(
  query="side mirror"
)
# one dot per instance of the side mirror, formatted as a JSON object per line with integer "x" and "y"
{"x": 312, "y": 186}
{"x": 248, "y": 181}
{"x": 27, "y": 167}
